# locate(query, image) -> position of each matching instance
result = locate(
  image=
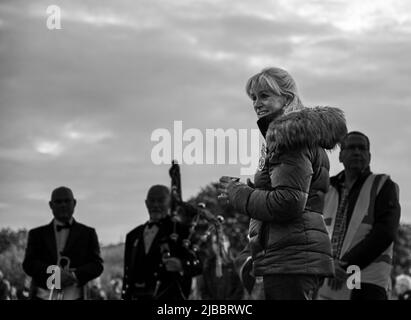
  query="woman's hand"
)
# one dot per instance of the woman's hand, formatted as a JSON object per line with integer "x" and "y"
{"x": 225, "y": 183}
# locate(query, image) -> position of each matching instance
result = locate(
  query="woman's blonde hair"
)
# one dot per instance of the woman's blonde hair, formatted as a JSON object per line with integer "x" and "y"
{"x": 280, "y": 83}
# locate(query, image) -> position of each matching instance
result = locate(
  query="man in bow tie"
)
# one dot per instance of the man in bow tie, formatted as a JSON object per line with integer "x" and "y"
{"x": 157, "y": 265}
{"x": 64, "y": 242}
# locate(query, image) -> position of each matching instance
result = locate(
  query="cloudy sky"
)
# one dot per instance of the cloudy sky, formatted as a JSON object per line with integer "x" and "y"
{"x": 78, "y": 105}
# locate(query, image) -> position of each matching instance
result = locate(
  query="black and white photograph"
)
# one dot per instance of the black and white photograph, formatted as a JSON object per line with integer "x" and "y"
{"x": 196, "y": 157}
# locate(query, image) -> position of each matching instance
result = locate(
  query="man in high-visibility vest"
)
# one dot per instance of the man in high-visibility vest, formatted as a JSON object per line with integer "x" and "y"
{"x": 362, "y": 214}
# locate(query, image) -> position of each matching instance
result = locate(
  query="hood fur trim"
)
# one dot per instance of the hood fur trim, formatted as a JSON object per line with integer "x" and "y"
{"x": 309, "y": 127}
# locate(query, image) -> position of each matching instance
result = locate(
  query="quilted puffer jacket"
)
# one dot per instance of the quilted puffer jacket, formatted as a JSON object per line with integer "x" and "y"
{"x": 287, "y": 234}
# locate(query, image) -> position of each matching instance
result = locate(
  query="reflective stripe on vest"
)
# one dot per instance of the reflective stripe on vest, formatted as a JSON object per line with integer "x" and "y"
{"x": 361, "y": 222}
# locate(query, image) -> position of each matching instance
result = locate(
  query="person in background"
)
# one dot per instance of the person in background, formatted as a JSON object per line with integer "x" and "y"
{"x": 116, "y": 286}
{"x": 403, "y": 287}
{"x": 4, "y": 288}
{"x": 362, "y": 214}
{"x": 157, "y": 263}
{"x": 95, "y": 292}
{"x": 219, "y": 280}
{"x": 13, "y": 293}
{"x": 63, "y": 239}
{"x": 24, "y": 292}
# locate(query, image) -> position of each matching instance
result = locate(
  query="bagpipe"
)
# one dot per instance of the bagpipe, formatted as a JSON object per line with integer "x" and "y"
{"x": 197, "y": 215}
{"x": 186, "y": 245}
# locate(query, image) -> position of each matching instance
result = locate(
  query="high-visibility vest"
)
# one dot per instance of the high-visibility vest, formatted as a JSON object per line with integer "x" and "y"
{"x": 361, "y": 223}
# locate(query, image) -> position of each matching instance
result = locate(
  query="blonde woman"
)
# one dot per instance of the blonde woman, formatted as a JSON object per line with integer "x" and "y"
{"x": 288, "y": 243}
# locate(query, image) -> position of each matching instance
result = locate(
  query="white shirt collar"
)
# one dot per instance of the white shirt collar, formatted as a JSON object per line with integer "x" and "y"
{"x": 59, "y": 223}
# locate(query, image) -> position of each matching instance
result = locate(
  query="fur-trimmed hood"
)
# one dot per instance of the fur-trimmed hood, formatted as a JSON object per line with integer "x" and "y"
{"x": 308, "y": 127}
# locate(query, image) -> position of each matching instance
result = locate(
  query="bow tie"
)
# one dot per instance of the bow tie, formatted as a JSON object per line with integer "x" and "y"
{"x": 64, "y": 226}
{"x": 153, "y": 223}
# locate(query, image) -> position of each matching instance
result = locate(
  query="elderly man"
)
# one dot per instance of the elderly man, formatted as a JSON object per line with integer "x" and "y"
{"x": 362, "y": 214}
{"x": 157, "y": 263}
{"x": 63, "y": 239}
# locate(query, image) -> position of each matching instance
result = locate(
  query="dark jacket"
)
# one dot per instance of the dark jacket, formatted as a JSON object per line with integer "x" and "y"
{"x": 142, "y": 272}
{"x": 82, "y": 248}
{"x": 387, "y": 212}
{"x": 287, "y": 231}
